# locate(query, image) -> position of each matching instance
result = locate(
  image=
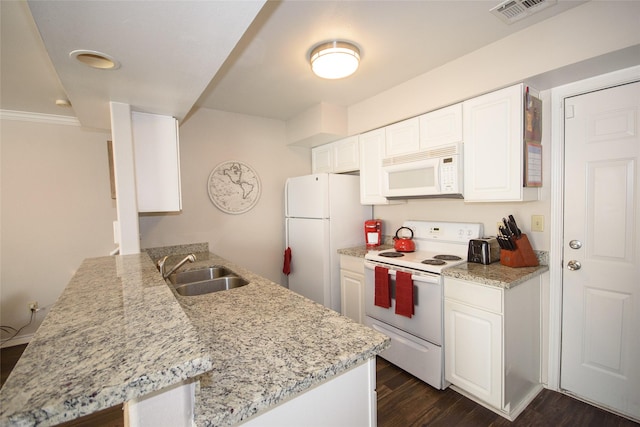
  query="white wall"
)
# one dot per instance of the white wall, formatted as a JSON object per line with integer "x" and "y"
{"x": 56, "y": 211}
{"x": 580, "y": 34}
{"x": 583, "y": 41}
{"x": 254, "y": 239}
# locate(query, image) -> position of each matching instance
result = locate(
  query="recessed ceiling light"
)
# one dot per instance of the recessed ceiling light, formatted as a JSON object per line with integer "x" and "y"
{"x": 335, "y": 60}
{"x": 95, "y": 59}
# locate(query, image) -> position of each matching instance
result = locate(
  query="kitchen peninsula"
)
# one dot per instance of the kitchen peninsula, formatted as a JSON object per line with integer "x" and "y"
{"x": 119, "y": 332}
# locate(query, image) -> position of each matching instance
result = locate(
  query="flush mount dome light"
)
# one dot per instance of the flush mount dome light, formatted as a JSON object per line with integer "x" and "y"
{"x": 95, "y": 59}
{"x": 335, "y": 60}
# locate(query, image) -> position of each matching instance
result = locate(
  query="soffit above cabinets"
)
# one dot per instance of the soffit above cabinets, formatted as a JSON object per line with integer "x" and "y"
{"x": 247, "y": 57}
{"x": 168, "y": 50}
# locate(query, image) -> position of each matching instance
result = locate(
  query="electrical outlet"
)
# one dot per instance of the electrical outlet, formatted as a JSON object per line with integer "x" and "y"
{"x": 537, "y": 222}
{"x": 33, "y": 306}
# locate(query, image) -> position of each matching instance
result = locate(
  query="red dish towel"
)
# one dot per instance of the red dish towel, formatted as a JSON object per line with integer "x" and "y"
{"x": 404, "y": 294}
{"x": 286, "y": 268}
{"x": 382, "y": 291}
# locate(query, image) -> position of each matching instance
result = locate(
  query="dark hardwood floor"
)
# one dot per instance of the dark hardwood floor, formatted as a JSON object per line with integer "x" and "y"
{"x": 405, "y": 401}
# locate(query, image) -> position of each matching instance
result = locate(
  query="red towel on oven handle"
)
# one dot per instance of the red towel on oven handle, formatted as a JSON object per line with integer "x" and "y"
{"x": 286, "y": 268}
{"x": 404, "y": 294}
{"x": 382, "y": 291}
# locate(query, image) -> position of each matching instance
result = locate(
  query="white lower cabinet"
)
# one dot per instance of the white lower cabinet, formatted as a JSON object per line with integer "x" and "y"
{"x": 352, "y": 287}
{"x": 492, "y": 343}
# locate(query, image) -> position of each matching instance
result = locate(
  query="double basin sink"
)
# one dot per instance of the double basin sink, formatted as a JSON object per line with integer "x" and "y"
{"x": 205, "y": 280}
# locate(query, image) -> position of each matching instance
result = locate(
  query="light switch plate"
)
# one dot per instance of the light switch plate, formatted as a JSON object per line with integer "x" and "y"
{"x": 537, "y": 222}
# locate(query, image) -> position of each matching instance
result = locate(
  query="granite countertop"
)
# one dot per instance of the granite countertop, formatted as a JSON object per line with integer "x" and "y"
{"x": 116, "y": 333}
{"x": 269, "y": 344}
{"x": 494, "y": 274}
{"x": 119, "y": 332}
{"x": 361, "y": 251}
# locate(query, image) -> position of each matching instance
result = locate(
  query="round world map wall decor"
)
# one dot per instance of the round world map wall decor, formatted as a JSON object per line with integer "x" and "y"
{"x": 234, "y": 187}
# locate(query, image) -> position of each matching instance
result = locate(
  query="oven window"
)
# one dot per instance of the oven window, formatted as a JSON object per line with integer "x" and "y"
{"x": 414, "y": 178}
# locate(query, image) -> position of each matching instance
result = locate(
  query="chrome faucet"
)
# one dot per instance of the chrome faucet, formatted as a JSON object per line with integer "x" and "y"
{"x": 189, "y": 258}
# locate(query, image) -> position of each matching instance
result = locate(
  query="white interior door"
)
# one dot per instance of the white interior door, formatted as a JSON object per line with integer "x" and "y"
{"x": 601, "y": 279}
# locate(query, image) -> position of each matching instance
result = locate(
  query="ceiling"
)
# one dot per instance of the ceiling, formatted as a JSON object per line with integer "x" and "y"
{"x": 247, "y": 57}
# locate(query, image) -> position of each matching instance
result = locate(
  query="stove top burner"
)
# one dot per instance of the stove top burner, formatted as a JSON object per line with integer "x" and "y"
{"x": 448, "y": 257}
{"x": 391, "y": 254}
{"x": 433, "y": 262}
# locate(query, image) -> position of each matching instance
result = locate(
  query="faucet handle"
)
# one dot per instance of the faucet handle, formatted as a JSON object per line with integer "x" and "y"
{"x": 160, "y": 264}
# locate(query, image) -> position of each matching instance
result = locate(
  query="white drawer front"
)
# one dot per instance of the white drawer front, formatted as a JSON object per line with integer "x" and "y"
{"x": 475, "y": 294}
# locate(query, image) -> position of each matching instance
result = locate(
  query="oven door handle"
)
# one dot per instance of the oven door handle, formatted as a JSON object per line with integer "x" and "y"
{"x": 416, "y": 277}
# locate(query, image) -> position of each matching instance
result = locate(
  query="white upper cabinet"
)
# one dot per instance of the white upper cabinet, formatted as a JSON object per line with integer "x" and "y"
{"x": 494, "y": 146}
{"x": 336, "y": 157}
{"x": 442, "y": 126}
{"x": 322, "y": 159}
{"x": 157, "y": 162}
{"x": 346, "y": 154}
{"x": 402, "y": 137}
{"x": 372, "y": 151}
{"x": 371, "y": 154}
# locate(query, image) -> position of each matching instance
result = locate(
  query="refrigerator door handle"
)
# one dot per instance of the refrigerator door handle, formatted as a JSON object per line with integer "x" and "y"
{"x": 286, "y": 233}
{"x": 286, "y": 199}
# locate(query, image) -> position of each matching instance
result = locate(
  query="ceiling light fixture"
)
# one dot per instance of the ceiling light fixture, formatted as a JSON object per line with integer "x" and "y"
{"x": 334, "y": 60}
{"x": 95, "y": 59}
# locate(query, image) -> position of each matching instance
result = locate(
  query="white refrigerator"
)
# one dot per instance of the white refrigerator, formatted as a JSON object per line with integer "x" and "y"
{"x": 323, "y": 214}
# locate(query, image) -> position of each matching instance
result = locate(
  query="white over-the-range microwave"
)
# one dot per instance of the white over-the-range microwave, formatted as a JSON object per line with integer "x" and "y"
{"x": 433, "y": 172}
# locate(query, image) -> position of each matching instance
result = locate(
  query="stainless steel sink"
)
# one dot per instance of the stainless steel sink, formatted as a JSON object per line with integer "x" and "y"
{"x": 198, "y": 275}
{"x": 211, "y": 285}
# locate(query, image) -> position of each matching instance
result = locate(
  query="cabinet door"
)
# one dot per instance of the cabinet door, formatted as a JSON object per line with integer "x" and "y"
{"x": 346, "y": 155}
{"x": 157, "y": 162}
{"x": 493, "y": 145}
{"x": 371, "y": 154}
{"x": 322, "y": 159}
{"x": 352, "y": 290}
{"x": 473, "y": 351}
{"x": 402, "y": 137}
{"x": 443, "y": 126}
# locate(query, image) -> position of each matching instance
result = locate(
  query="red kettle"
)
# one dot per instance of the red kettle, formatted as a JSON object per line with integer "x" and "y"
{"x": 404, "y": 244}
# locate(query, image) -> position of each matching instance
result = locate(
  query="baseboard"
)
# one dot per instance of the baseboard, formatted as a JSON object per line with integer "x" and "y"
{"x": 513, "y": 413}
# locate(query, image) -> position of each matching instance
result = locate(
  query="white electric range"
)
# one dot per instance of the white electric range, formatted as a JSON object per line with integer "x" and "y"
{"x": 416, "y": 341}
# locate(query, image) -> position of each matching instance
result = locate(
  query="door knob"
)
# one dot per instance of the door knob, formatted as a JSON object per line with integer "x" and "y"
{"x": 575, "y": 244}
{"x": 574, "y": 265}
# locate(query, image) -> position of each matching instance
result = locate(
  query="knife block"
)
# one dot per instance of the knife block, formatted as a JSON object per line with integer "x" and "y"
{"x": 523, "y": 256}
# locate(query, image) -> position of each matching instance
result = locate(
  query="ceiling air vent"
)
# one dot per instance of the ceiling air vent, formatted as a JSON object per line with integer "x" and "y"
{"x": 513, "y": 10}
